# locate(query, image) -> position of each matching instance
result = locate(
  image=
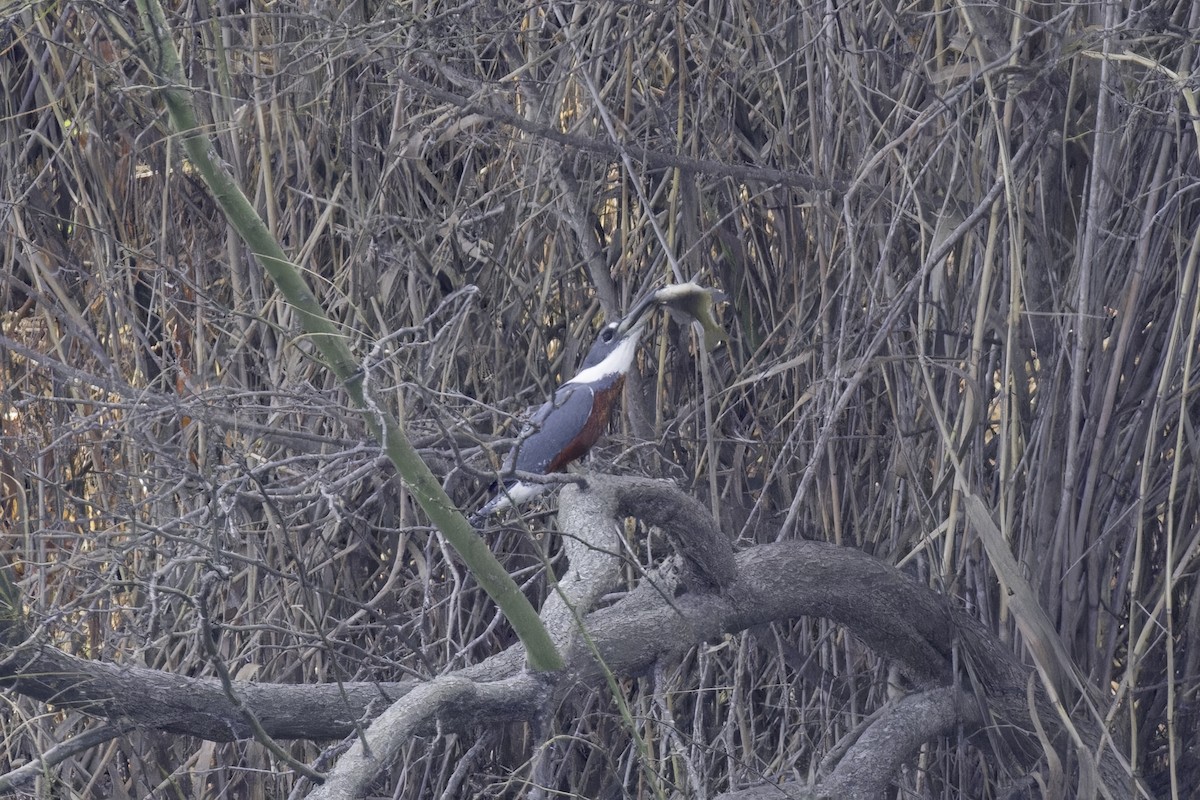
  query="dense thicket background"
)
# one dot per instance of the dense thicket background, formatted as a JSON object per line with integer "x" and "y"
{"x": 947, "y": 232}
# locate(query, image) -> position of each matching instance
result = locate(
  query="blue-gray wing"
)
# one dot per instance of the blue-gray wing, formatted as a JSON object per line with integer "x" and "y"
{"x": 551, "y": 430}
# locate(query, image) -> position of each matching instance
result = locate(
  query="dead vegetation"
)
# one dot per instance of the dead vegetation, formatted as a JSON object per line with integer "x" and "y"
{"x": 961, "y": 249}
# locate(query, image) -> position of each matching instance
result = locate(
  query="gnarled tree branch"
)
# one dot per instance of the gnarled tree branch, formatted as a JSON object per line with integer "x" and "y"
{"x": 897, "y": 617}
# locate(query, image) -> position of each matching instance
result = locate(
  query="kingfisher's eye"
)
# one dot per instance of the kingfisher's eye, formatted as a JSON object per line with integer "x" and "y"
{"x": 608, "y": 333}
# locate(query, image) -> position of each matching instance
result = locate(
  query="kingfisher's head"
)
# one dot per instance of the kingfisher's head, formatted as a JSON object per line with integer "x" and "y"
{"x": 615, "y": 347}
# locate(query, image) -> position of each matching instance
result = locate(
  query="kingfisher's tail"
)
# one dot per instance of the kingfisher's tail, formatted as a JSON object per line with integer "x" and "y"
{"x": 498, "y": 501}
{"x": 512, "y": 493}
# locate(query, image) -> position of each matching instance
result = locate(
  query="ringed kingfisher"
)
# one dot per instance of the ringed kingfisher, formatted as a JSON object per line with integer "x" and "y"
{"x": 566, "y": 426}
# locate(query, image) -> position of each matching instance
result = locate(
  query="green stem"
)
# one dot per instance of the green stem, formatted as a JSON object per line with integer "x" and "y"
{"x": 331, "y": 344}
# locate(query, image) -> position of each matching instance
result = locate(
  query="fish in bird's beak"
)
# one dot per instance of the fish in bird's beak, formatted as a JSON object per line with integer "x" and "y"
{"x": 690, "y": 300}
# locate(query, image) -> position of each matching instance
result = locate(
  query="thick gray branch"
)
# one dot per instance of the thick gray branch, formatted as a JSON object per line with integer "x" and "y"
{"x": 592, "y": 544}
{"x": 898, "y": 618}
{"x": 870, "y": 763}
{"x": 405, "y": 718}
